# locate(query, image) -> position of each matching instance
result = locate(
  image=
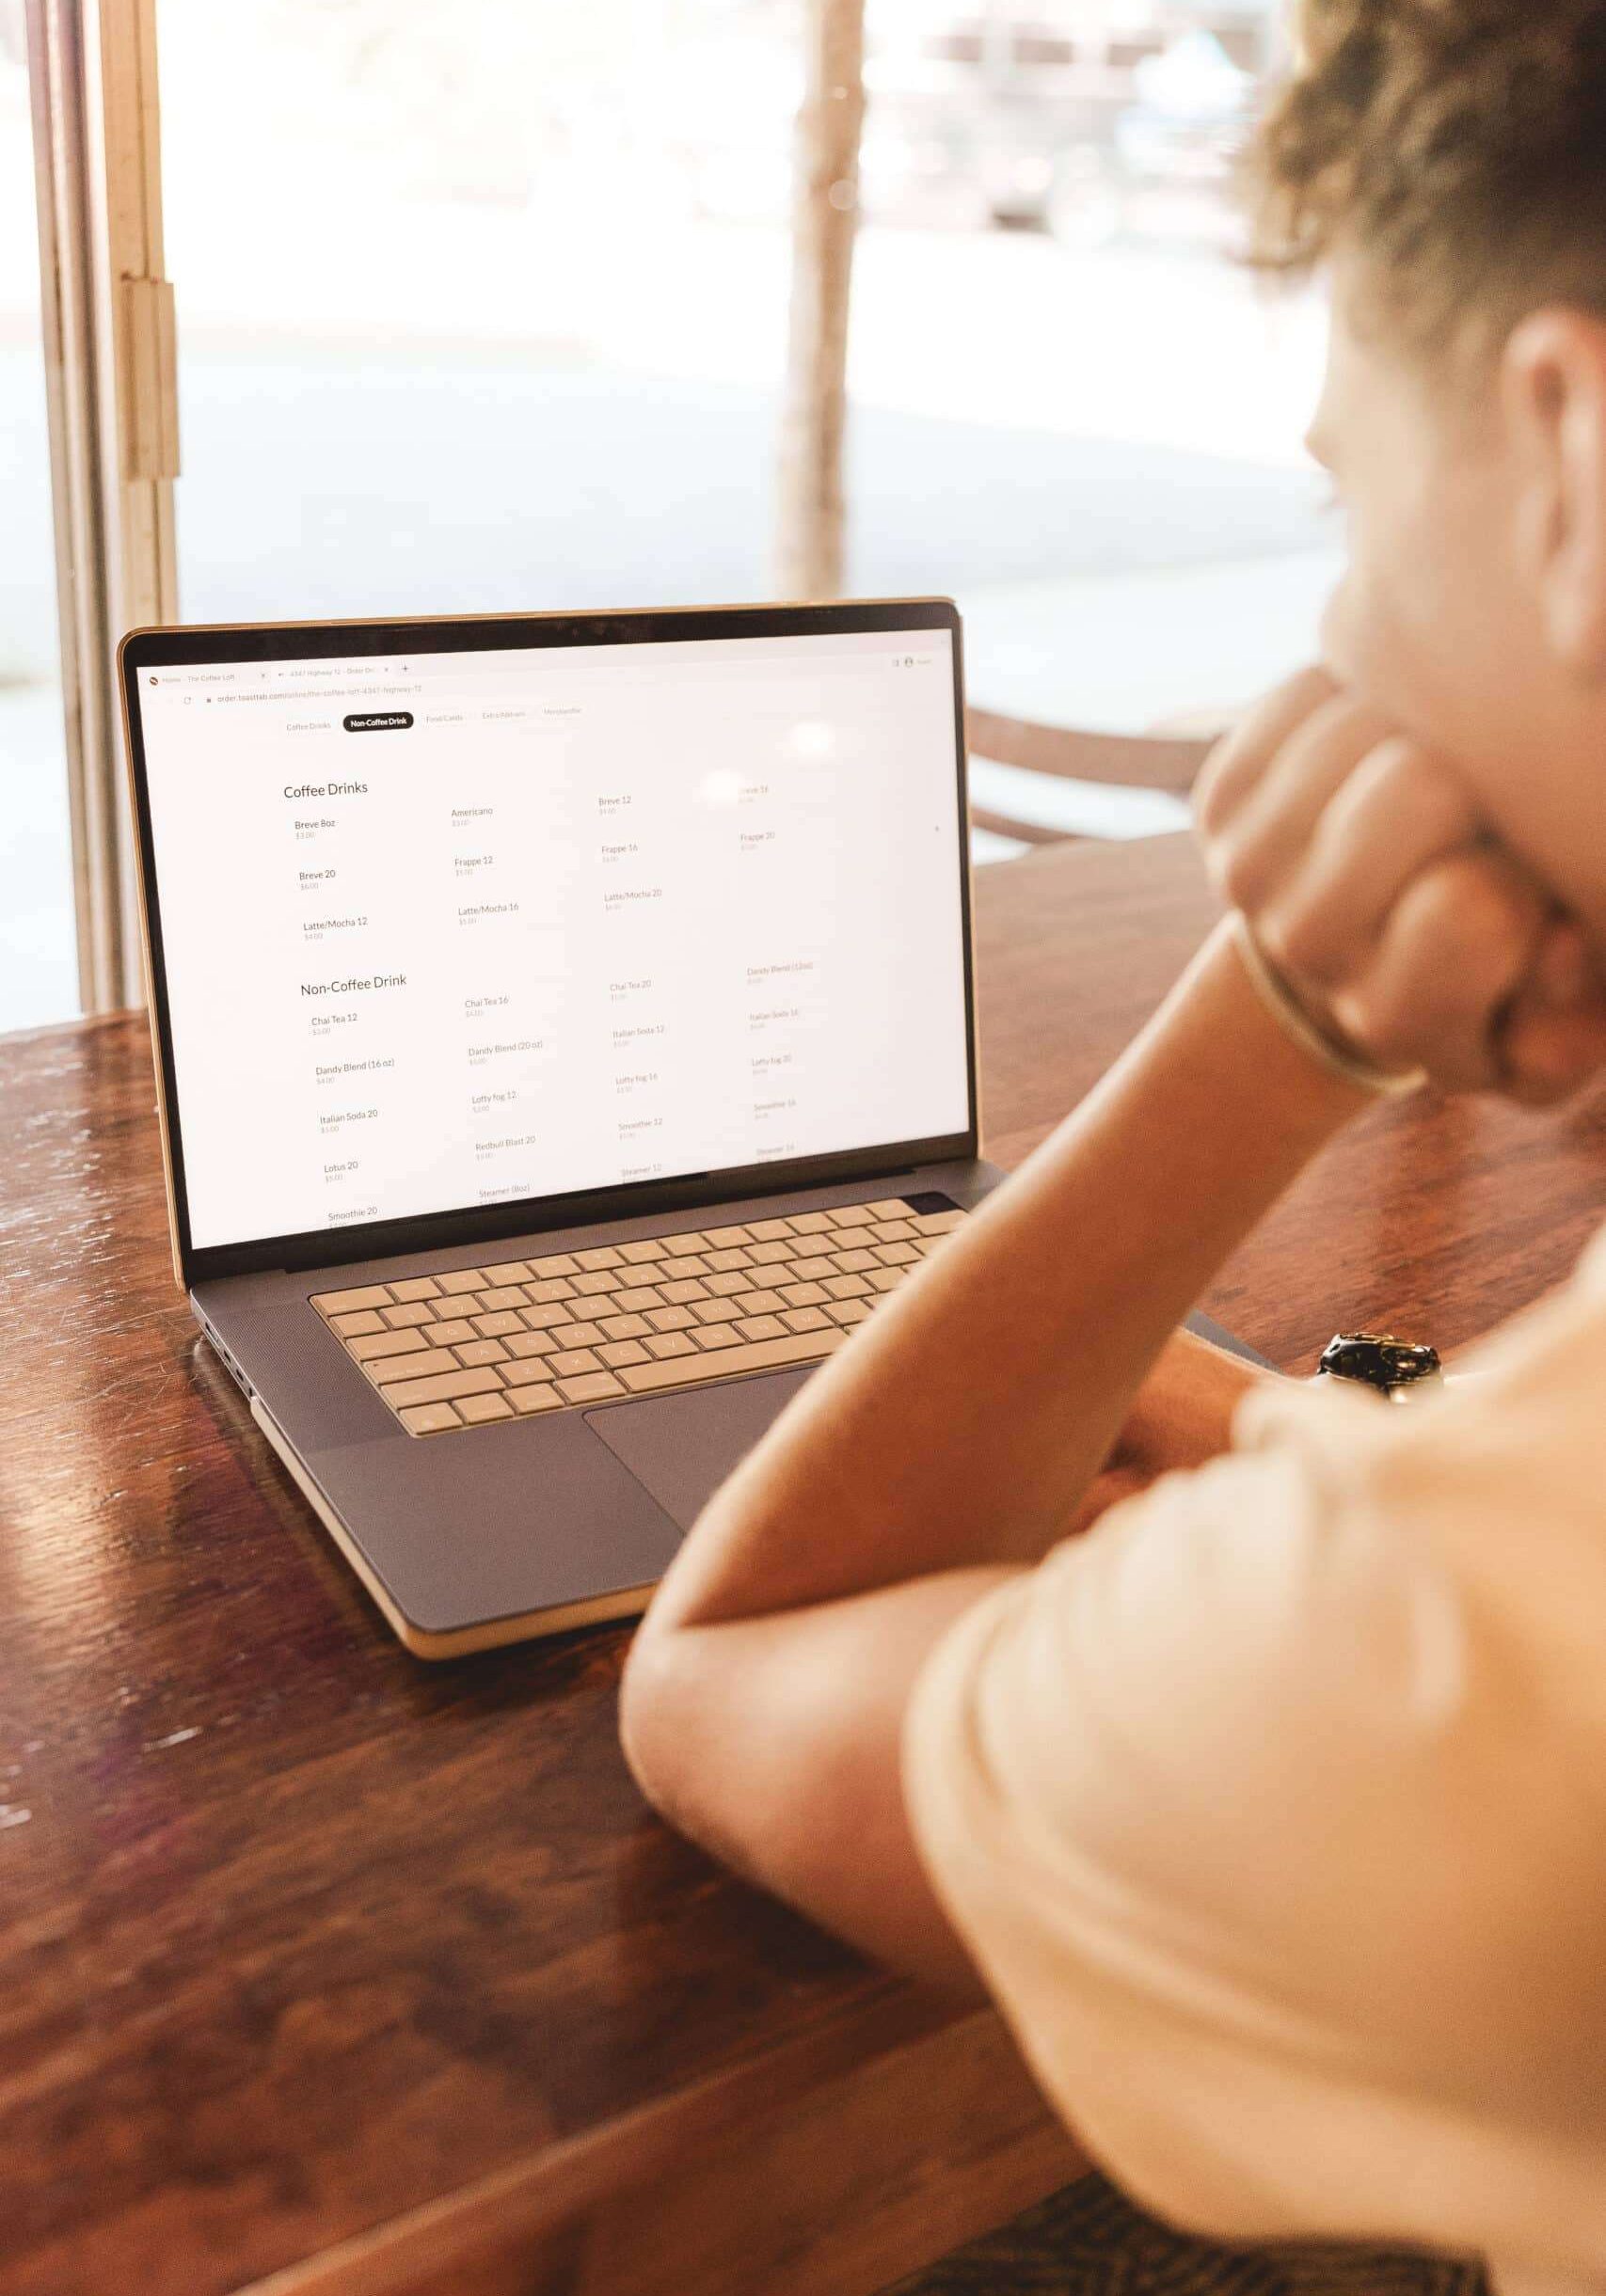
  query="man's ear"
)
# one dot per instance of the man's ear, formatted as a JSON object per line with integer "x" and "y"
{"x": 1552, "y": 389}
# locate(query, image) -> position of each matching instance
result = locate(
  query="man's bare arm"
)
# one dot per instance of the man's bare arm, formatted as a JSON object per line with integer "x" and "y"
{"x": 763, "y": 1700}
{"x": 775, "y": 1742}
{"x": 965, "y": 1421}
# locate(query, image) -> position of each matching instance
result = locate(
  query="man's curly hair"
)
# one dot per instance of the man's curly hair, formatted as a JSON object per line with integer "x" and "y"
{"x": 1455, "y": 147}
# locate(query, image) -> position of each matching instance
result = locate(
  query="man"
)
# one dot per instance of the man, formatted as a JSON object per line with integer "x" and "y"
{"x": 1272, "y": 1809}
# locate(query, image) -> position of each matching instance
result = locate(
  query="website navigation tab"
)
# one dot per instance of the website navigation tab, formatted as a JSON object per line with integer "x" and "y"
{"x": 609, "y": 913}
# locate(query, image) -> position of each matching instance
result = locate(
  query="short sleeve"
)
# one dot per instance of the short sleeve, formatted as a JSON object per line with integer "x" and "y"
{"x": 1269, "y": 1812}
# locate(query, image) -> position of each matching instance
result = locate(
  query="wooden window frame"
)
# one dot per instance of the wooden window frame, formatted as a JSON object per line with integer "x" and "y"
{"x": 811, "y": 532}
{"x": 112, "y": 397}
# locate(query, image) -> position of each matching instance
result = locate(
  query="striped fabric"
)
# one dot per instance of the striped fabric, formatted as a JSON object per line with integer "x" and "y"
{"x": 1088, "y": 2240}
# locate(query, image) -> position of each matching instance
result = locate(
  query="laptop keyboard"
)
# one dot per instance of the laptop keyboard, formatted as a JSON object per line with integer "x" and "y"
{"x": 472, "y": 1345}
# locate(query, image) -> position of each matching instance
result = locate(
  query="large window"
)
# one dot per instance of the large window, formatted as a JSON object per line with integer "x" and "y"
{"x": 484, "y": 307}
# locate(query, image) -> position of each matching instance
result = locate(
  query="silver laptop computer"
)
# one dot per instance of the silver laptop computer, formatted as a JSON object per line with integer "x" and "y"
{"x": 564, "y": 1027}
{"x": 565, "y": 1036}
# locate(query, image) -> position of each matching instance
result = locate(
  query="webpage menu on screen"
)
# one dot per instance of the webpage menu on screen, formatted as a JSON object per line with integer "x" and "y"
{"x": 463, "y": 929}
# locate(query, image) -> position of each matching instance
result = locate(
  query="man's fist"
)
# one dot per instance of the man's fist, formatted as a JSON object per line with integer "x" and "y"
{"x": 1399, "y": 926}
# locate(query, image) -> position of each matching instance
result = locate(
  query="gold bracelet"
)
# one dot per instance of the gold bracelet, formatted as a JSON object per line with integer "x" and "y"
{"x": 1274, "y": 993}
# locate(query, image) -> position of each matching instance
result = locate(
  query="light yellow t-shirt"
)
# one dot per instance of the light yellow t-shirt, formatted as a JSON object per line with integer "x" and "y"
{"x": 1274, "y": 1813}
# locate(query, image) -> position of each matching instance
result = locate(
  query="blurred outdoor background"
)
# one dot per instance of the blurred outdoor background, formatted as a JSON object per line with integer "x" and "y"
{"x": 483, "y": 306}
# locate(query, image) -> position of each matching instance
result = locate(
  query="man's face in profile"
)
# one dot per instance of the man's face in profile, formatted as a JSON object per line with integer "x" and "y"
{"x": 1445, "y": 618}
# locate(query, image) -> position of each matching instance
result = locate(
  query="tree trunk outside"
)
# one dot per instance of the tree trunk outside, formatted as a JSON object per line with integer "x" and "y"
{"x": 811, "y": 554}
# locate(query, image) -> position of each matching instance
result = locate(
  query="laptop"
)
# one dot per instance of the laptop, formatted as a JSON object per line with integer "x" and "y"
{"x": 565, "y": 1036}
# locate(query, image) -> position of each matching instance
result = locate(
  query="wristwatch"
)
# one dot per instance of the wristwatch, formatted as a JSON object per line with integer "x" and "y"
{"x": 1401, "y": 1369}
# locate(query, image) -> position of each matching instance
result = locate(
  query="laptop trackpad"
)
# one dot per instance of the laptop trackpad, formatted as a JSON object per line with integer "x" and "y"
{"x": 683, "y": 1445}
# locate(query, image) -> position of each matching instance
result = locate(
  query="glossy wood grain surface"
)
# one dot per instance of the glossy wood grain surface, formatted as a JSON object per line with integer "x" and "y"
{"x": 318, "y": 1962}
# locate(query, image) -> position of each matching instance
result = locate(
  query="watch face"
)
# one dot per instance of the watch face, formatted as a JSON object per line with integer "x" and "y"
{"x": 1377, "y": 1360}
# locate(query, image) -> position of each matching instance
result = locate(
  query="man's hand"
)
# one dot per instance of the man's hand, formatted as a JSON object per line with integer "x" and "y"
{"x": 1403, "y": 931}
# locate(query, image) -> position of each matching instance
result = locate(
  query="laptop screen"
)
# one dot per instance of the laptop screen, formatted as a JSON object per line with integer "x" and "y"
{"x": 444, "y": 930}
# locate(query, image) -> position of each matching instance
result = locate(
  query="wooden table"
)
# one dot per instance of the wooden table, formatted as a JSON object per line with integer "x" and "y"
{"x": 324, "y": 1970}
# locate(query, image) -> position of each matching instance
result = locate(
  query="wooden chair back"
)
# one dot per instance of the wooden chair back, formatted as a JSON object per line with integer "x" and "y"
{"x": 1127, "y": 761}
